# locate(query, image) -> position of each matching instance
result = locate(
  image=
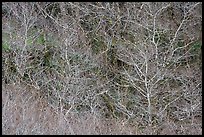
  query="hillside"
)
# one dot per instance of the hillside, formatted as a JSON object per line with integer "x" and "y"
{"x": 102, "y": 68}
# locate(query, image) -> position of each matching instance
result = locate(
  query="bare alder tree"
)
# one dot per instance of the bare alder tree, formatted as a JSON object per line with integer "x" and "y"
{"x": 155, "y": 63}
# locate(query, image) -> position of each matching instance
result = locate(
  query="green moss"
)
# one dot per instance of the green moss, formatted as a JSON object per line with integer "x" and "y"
{"x": 5, "y": 46}
{"x": 97, "y": 45}
{"x": 41, "y": 39}
{"x": 5, "y": 42}
{"x": 29, "y": 41}
{"x": 196, "y": 47}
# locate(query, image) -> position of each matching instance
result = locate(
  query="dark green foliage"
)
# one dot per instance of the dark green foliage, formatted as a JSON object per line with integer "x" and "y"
{"x": 47, "y": 61}
{"x": 109, "y": 104}
{"x": 111, "y": 57}
{"x": 196, "y": 47}
{"x": 9, "y": 67}
{"x": 82, "y": 108}
{"x": 25, "y": 77}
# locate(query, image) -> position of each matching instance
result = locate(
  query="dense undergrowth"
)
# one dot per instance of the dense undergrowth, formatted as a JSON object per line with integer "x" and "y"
{"x": 137, "y": 62}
